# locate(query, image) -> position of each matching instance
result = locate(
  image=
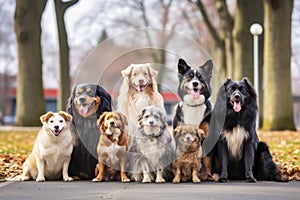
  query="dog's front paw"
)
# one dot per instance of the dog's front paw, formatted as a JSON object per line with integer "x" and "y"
{"x": 196, "y": 179}
{"x": 97, "y": 180}
{"x": 125, "y": 180}
{"x": 40, "y": 179}
{"x": 25, "y": 178}
{"x": 251, "y": 180}
{"x": 146, "y": 180}
{"x": 223, "y": 180}
{"x": 68, "y": 179}
{"x": 176, "y": 179}
{"x": 215, "y": 177}
{"x": 160, "y": 180}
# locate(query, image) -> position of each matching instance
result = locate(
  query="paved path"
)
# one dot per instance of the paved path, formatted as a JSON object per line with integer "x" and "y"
{"x": 235, "y": 190}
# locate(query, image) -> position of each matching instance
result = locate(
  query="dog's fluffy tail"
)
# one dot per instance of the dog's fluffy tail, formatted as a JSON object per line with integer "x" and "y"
{"x": 265, "y": 168}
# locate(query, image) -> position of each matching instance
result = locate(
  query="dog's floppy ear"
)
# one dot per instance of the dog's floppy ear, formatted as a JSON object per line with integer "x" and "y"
{"x": 201, "y": 134}
{"x": 153, "y": 72}
{"x": 69, "y": 107}
{"x": 101, "y": 119}
{"x": 249, "y": 87}
{"x": 226, "y": 83}
{"x": 65, "y": 115}
{"x": 105, "y": 104}
{"x": 44, "y": 118}
{"x": 123, "y": 118}
{"x": 126, "y": 72}
{"x": 182, "y": 67}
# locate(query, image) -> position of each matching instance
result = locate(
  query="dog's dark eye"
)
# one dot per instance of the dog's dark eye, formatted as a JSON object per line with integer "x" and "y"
{"x": 243, "y": 90}
{"x": 156, "y": 116}
{"x": 145, "y": 73}
{"x": 147, "y": 116}
{"x": 51, "y": 121}
{"x": 231, "y": 89}
{"x": 61, "y": 121}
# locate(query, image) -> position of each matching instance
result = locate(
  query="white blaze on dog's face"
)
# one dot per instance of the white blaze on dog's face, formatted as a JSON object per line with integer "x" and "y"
{"x": 152, "y": 119}
{"x": 56, "y": 122}
{"x": 139, "y": 75}
{"x": 193, "y": 86}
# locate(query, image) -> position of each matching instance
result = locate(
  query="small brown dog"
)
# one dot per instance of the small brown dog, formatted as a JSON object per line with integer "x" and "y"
{"x": 188, "y": 153}
{"x": 112, "y": 147}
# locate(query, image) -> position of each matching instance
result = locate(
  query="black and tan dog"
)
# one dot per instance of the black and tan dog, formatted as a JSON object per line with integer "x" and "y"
{"x": 241, "y": 154}
{"x": 86, "y": 104}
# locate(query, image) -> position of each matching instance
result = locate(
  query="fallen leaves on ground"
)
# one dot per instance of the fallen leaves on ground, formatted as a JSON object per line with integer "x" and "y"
{"x": 284, "y": 146}
{"x": 15, "y": 146}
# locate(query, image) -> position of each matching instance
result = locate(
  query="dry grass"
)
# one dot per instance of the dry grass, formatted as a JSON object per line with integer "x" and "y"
{"x": 285, "y": 148}
{"x": 16, "y": 145}
{"x": 14, "y": 148}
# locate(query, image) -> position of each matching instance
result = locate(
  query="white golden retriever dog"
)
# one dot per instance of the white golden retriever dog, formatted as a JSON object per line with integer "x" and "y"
{"x": 52, "y": 149}
{"x": 138, "y": 89}
{"x": 152, "y": 148}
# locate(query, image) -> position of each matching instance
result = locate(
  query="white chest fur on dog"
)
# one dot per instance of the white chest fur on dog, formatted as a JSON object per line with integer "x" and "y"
{"x": 193, "y": 110}
{"x": 53, "y": 156}
{"x": 235, "y": 139}
{"x": 112, "y": 151}
{"x": 52, "y": 149}
{"x": 153, "y": 150}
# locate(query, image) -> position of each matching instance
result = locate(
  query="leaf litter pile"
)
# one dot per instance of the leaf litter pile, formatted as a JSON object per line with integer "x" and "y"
{"x": 15, "y": 146}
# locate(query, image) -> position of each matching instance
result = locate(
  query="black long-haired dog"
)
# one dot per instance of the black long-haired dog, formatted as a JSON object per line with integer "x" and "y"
{"x": 86, "y": 104}
{"x": 241, "y": 154}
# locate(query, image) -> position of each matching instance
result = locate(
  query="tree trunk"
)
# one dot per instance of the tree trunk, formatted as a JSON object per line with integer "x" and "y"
{"x": 246, "y": 13}
{"x": 64, "y": 63}
{"x": 278, "y": 108}
{"x": 30, "y": 96}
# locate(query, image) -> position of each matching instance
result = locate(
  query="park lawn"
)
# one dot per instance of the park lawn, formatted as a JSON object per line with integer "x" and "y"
{"x": 284, "y": 145}
{"x": 15, "y": 146}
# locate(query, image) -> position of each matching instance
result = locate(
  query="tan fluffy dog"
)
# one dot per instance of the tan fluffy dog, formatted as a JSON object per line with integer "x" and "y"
{"x": 188, "y": 153}
{"x": 52, "y": 149}
{"x": 138, "y": 90}
{"x": 112, "y": 147}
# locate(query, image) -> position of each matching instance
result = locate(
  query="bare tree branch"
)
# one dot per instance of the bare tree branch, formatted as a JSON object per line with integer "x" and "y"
{"x": 207, "y": 21}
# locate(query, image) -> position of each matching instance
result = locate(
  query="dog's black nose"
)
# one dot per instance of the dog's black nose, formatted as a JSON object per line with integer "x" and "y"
{"x": 56, "y": 127}
{"x": 237, "y": 96}
{"x": 82, "y": 99}
{"x": 195, "y": 84}
{"x": 151, "y": 122}
{"x": 112, "y": 123}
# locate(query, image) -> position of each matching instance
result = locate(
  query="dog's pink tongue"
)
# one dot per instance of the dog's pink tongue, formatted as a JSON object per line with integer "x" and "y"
{"x": 196, "y": 94}
{"x": 142, "y": 88}
{"x": 83, "y": 109}
{"x": 237, "y": 106}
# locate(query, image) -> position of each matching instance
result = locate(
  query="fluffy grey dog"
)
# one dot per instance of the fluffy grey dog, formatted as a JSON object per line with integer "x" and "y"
{"x": 152, "y": 148}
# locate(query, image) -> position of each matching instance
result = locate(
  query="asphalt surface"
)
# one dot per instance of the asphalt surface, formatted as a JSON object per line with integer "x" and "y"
{"x": 234, "y": 190}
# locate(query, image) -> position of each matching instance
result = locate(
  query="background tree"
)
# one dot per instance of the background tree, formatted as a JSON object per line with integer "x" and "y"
{"x": 278, "y": 109}
{"x": 30, "y": 96}
{"x": 64, "y": 62}
{"x": 232, "y": 37}
{"x": 246, "y": 13}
